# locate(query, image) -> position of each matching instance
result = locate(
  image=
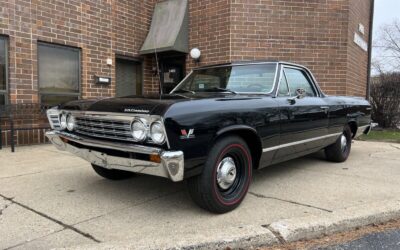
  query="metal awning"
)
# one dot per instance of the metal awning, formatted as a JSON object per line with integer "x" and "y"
{"x": 169, "y": 28}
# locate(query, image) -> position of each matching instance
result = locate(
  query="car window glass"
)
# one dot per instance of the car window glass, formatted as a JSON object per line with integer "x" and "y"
{"x": 283, "y": 87}
{"x": 298, "y": 80}
{"x": 202, "y": 81}
{"x": 252, "y": 78}
{"x": 255, "y": 78}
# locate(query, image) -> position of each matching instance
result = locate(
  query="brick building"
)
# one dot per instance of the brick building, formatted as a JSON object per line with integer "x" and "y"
{"x": 55, "y": 50}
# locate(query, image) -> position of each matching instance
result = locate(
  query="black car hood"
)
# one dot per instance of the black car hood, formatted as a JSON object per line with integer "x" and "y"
{"x": 150, "y": 104}
{"x": 129, "y": 104}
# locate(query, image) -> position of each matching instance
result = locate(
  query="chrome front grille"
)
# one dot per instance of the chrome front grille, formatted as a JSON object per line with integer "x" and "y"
{"x": 104, "y": 128}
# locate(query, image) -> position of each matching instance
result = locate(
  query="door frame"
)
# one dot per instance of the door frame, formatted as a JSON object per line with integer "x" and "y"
{"x": 164, "y": 57}
{"x": 133, "y": 59}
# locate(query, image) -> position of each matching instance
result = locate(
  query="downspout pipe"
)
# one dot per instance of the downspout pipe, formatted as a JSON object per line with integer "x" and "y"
{"x": 371, "y": 24}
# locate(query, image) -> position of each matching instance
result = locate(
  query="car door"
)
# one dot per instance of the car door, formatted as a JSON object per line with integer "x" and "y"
{"x": 303, "y": 121}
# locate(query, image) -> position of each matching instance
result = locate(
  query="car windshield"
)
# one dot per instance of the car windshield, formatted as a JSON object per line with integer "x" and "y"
{"x": 254, "y": 78}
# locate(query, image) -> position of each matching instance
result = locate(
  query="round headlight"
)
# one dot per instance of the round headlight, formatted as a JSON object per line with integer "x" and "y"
{"x": 63, "y": 121}
{"x": 70, "y": 122}
{"x": 157, "y": 132}
{"x": 138, "y": 130}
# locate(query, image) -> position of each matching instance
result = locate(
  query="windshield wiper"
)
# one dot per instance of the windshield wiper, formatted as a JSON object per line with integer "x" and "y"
{"x": 184, "y": 90}
{"x": 222, "y": 89}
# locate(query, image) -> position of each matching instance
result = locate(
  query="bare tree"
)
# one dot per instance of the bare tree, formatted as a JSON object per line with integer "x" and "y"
{"x": 387, "y": 48}
{"x": 385, "y": 85}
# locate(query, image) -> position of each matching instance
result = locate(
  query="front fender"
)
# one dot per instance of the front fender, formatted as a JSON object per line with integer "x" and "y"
{"x": 235, "y": 128}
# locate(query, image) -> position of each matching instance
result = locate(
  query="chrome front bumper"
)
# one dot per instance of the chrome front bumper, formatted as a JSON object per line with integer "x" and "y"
{"x": 170, "y": 166}
{"x": 363, "y": 130}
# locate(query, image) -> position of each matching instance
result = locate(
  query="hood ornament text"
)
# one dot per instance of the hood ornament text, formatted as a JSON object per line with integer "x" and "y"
{"x": 132, "y": 110}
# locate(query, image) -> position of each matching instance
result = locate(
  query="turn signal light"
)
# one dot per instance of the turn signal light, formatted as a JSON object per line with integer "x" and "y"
{"x": 155, "y": 158}
{"x": 65, "y": 140}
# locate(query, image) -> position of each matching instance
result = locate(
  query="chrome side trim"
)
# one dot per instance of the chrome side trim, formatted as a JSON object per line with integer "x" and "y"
{"x": 299, "y": 142}
{"x": 171, "y": 165}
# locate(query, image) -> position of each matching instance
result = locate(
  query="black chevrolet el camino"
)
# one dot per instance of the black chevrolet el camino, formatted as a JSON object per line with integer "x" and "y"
{"x": 218, "y": 125}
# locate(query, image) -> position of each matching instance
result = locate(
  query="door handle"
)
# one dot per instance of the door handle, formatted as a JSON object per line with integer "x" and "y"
{"x": 325, "y": 109}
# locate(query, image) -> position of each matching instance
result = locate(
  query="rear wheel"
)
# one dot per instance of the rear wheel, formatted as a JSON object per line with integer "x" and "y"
{"x": 112, "y": 174}
{"x": 226, "y": 176}
{"x": 340, "y": 150}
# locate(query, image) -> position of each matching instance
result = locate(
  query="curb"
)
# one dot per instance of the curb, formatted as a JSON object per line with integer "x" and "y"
{"x": 312, "y": 227}
{"x": 245, "y": 237}
{"x": 279, "y": 232}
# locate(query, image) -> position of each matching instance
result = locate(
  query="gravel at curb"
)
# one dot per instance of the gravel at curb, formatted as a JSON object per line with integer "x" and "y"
{"x": 283, "y": 231}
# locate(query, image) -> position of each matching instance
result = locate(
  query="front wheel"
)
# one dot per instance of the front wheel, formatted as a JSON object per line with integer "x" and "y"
{"x": 340, "y": 150}
{"x": 226, "y": 176}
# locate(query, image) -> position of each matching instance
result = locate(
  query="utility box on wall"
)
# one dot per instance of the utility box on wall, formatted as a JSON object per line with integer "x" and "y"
{"x": 102, "y": 80}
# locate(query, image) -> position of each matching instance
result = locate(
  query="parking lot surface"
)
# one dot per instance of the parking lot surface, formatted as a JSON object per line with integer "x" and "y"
{"x": 51, "y": 199}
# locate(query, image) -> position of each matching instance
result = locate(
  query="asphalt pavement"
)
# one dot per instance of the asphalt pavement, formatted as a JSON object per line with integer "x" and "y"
{"x": 389, "y": 240}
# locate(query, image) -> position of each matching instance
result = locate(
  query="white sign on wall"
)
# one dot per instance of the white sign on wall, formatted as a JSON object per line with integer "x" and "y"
{"x": 360, "y": 42}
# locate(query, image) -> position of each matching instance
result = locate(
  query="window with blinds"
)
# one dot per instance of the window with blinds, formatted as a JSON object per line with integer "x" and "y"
{"x": 59, "y": 69}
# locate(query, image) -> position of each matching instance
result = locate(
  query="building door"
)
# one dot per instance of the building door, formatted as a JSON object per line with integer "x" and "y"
{"x": 172, "y": 72}
{"x": 128, "y": 77}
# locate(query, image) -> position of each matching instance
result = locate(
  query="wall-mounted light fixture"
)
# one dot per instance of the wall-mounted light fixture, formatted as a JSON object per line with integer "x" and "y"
{"x": 195, "y": 54}
{"x": 109, "y": 61}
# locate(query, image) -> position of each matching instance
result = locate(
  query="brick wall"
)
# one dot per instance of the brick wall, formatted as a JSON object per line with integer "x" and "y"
{"x": 357, "y": 58}
{"x": 101, "y": 29}
{"x": 316, "y": 33}
{"x": 209, "y": 30}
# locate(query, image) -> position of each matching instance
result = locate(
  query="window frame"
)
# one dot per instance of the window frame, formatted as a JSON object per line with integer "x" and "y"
{"x": 283, "y": 75}
{"x": 133, "y": 59}
{"x": 307, "y": 74}
{"x": 5, "y": 92}
{"x": 60, "y": 46}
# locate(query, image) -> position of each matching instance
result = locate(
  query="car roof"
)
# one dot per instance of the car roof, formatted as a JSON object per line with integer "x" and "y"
{"x": 239, "y": 63}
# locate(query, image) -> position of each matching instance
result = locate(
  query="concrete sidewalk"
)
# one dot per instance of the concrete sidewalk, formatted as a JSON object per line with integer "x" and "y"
{"x": 52, "y": 199}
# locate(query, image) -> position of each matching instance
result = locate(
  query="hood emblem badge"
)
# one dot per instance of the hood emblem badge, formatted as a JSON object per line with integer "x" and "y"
{"x": 132, "y": 110}
{"x": 187, "y": 134}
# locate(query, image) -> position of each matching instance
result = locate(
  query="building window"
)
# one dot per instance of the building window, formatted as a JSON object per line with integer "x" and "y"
{"x": 128, "y": 77}
{"x": 3, "y": 71}
{"x": 59, "y": 69}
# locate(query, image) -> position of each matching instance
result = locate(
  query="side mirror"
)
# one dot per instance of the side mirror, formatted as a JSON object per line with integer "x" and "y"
{"x": 300, "y": 94}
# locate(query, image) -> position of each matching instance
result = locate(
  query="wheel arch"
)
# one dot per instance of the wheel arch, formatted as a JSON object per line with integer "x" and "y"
{"x": 353, "y": 127}
{"x": 249, "y": 135}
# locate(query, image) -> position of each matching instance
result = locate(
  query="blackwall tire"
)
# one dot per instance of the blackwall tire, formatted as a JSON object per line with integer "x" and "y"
{"x": 340, "y": 150}
{"x": 226, "y": 176}
{"x": 112, "y": 174}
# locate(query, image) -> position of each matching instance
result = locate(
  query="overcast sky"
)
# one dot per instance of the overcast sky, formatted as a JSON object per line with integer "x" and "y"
{"x": 386, "y": 11}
